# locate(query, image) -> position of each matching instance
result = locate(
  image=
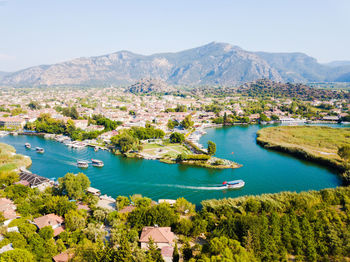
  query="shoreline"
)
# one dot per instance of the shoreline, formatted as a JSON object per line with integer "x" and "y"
{"x": 297, "y": 151}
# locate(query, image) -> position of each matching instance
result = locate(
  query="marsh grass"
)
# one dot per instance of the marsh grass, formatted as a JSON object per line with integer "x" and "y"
{"x": 316, "y": 143}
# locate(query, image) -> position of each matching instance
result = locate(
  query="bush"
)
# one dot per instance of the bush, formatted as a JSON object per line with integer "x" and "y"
{"x": 177, "y": 137}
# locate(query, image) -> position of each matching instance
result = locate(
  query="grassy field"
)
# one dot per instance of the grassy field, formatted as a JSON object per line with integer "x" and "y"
{"x": 164, "y": 151}
{"x": 9, "y": 160}
{"x": 310, "y": 142}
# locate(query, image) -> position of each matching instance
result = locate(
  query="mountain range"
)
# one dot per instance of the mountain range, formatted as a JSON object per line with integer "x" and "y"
{"x": 211, "y": 64}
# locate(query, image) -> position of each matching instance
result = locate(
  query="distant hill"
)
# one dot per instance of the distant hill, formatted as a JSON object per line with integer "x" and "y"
{"x": 2, "y": 74}
{"x": 265, "y": 87}
{"x": 211, "y": 64}
{"x": 146, "y": 86}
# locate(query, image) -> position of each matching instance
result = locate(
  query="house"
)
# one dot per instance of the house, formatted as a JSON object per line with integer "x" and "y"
{"x": 106, "y": 202}
{"x": 81, "y": 206}
{"x": 13, "y": 229}
{"x": 34, "y": 181}
{"x": 82, "y": 124}
{"x": 50, "y": 220}
{"x": 162, "y": 237}
{"x": 63, "y": 257}
{"x": 8, "y": 208}
{"x": 127, "y": 209}
{"x": 167, "y": 253}
{"x": 6, "y": 248}
{"x": 330, "y": 118}
{"x": 12, "y": 122}
{"x": 93, "y": 191}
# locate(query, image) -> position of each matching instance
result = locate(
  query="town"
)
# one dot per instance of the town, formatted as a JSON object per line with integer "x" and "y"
{"x": 95, "y": 116}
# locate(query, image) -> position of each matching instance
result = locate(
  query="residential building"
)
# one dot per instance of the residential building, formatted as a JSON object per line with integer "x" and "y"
{"x": 161, "y": 236}
{"x": 56, "y": 222}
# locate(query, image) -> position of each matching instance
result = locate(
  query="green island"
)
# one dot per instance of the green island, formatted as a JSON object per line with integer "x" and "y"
{"x": 306, "y": 226}
{"x": 149, "y": 143}
{"x": 325, "y": 145}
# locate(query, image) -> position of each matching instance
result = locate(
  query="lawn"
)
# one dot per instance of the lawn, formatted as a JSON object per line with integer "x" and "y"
{"x": 161, "y": 151}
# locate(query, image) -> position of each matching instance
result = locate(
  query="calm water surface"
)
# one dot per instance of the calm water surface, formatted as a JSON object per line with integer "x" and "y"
{"x": 264, "y": 171}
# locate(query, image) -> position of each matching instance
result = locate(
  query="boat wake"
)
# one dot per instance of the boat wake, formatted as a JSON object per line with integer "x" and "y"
{"x": 192, "y": 187}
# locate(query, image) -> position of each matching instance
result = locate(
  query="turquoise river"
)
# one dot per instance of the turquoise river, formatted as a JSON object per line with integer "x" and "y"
{"x": 264, "y": 171}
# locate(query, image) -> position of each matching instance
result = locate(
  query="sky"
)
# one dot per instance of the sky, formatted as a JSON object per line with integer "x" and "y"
{"x": 34, "y": 32}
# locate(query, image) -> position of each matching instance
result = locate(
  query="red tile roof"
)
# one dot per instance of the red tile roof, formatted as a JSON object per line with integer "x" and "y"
{"x": 50, "y": 220}
{"x": 63, "y": 257}
{"x": 8, "y": 208}
{"x": 158, "y": 234}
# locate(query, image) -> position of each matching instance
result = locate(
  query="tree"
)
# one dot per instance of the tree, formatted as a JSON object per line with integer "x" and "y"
{"x": 74, "y": 221}
{"x": 153, "y": 253}
{"x": 8, "y": 177}
{"x": 344, "y": 152}
{"x": 124, "y": 142}
{"x": 176, "y": 255}
{"x": 17, "y": 255}
{"x": 225, "y": 119}
{"x": 177, "y": 137}
{"x": 46, "y": 233}
{"x": 183, "y": 226}
{"x": 99, "y": 215}
{"x": 264, "y": 118}
{"x": 211, "y": 148}
{"x": 94, "y": 232}
{"x": 34, "y": 105}
{"x": 187, "y": 251}
{"x": 74, "y": 185}
{"x": 183, "y": 206}
{"x": 172, "y": 124}
{"x": 122, "y": 201}
{"x": 187, "y": 122}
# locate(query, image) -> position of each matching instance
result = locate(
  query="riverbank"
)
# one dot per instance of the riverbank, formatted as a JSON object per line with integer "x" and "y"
{"x": 10, "y": 161}
{"x": 313, "y": 143}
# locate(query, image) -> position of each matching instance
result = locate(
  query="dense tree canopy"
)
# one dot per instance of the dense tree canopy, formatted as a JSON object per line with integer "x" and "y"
{"x": 74, "y": 185}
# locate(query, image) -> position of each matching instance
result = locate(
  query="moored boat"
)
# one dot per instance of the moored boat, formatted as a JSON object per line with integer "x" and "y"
{"x": 233, "y": 184}
{"x": 27, "y": 145}
{"x": 97, "y": 163}
{"x": 82, "y": 163}
{"x": 39, "y": 150}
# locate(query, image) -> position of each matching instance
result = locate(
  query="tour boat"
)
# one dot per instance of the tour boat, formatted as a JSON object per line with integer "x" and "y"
{"x": 27, "y": 145}
{"x": 97, "y": 163}
{"x": 82, "y": 163}
{"x": 39, "y": 150}
{"x": 233, "y": 184}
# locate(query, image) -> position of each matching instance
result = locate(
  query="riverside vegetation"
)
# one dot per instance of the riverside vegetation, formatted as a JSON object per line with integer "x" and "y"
{"x": 325, "y": 145}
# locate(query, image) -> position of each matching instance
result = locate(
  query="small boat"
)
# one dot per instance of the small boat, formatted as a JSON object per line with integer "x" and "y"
{"x": 96, "y": 149}
{"x": 27, "y": 145}
{"x": 233, "y": 184}
{"x": 97, "y": 163}
{"x": 82, "y": 164}
{"x": 39, "y": 150}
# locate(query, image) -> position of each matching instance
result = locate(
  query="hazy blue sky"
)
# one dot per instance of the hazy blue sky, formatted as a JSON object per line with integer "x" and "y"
{"x": 36, "y": 32}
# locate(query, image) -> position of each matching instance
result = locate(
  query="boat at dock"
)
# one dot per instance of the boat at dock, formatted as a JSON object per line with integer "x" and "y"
{"x": 27, "y": 145}
{"x": 40, "y": 150}
{"x": 235, "y": 184}
{"x": 82, "y": 163}
{"x": 97, "y": 163}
